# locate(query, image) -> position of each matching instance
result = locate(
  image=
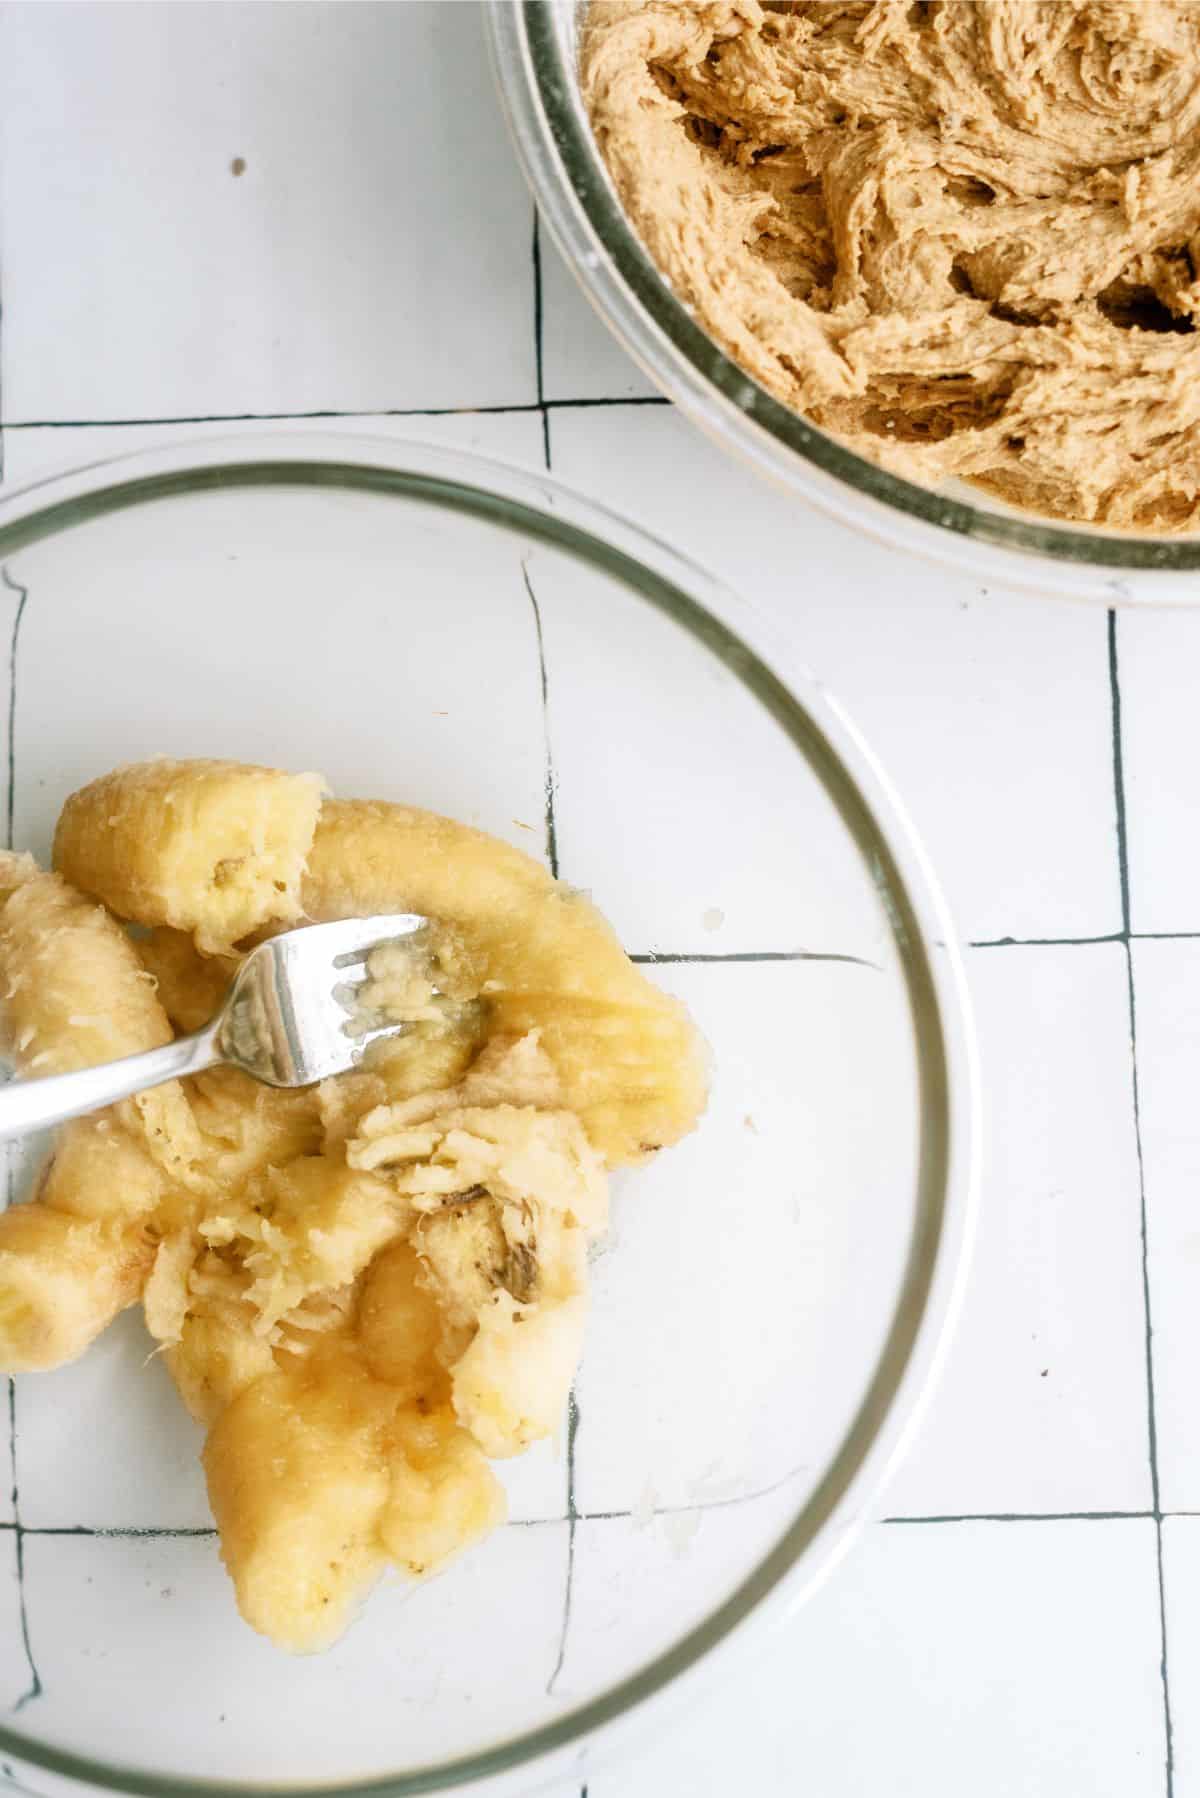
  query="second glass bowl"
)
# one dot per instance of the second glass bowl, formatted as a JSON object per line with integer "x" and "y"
{"x": 534, "y": 50}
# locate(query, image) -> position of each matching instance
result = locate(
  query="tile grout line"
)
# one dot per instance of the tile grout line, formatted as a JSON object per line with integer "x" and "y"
{"x": 667, "y": 957}
{"x": 1083, "y": 942}
{"x": 206, "y": 1532}
{"x": 1025, "y": 1517}
{"x": 550, "y": 826}
{"x": 538, "y": 357}
{"x": 572, "y": 1522}
{"x": 1044, "y": 942}
{"x": 35, "y": 1688}
{"x": 13, "y": 1784}
{"x": 551, "y": 830}
{"x": 1119, "y": 798}
{"x": 133, "y": 1532}
{"x": 1152, "y": 1421}
{"x": 580, "y": 403}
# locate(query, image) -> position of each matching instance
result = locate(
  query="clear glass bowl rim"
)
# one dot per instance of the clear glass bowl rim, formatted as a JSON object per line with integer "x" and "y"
{"x": 575, "y": 195}
{"x": 947, "y": 1184}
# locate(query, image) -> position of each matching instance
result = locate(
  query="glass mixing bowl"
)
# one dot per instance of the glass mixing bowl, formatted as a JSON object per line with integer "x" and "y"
{"x": 534, "y": 50}
{"x": 426, "y": 626}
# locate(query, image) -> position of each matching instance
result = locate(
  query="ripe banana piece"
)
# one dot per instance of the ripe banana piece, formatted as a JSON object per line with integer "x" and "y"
{"x": 632, "y": 1064}
{"x": 76, "y": 994}
{"x": 212, "y": 847}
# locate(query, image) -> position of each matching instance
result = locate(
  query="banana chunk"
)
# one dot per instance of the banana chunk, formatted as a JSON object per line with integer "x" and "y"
{"x": 366, "y": 1289}
{"x": 74, "y": 990}
{"x": 506, "y": 1194}
{"x": 74, "y": 994}
{"x": 319, "y": 1477}
{"x": 215, "y": 848}
{"x": 62, "y": 1281}
{"x": 631, "y": 1063}
{"x": 190, "y": 986}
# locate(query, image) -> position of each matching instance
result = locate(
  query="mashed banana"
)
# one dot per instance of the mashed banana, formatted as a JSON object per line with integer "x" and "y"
{"x": 367, "y": 1288}
{"x": 962, "y": 235}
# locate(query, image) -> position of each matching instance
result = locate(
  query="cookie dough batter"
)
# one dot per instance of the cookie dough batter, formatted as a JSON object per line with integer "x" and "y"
{"x": 962, "y": 235}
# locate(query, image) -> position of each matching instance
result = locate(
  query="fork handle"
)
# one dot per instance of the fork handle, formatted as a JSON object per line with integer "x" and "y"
{"x": 27, "y": 1105}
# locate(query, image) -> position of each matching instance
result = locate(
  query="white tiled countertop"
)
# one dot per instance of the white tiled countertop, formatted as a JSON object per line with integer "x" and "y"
{"x": 1027, "y": 1620}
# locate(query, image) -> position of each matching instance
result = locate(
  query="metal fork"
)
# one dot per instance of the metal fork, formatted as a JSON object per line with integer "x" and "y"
{"x": 285, "y": 1021}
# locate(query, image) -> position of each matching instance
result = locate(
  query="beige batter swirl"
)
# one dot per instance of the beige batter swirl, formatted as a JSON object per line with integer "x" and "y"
{"x": 962, "y": 235}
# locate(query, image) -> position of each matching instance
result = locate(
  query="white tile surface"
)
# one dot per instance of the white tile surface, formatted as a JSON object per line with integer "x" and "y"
{"x": 16, "y": 1674}
{"x": 415, "y": 605}
{"x": 797, "y": 1187}
{"x": 143, "y": 279}
{"x": 1167, "y": 986}
{"x": 107, "y": 1444}
{"x": 376, "y": 255}
{"x": 581, "y": 359}
{"x": 641, "y": 721}
{"x": 991, "y": 712}
{"x": 170, "y": 1593}
{"x": 40, "y": 452}
{"x": 33, "y": 1782}
{"x": 1181, "y": 1581}
{"x": 641, "y": 1583}
{"x": 993, "y": 1659}
{"x": 1043, "y": 1405}
{"x": 1158, "y": 654}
